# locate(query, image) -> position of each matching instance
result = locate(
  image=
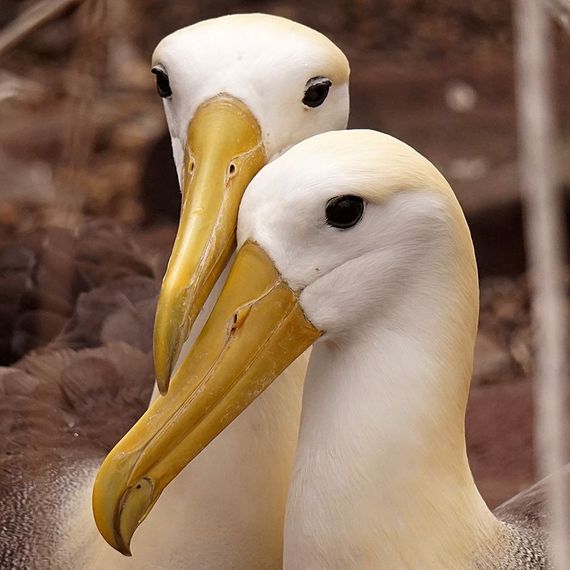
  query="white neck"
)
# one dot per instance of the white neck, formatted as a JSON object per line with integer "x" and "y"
{"x": 381, "y": 478}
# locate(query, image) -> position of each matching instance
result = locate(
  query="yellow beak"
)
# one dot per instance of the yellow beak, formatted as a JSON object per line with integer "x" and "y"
{"x": 256, "y": 329}
{"x": 223, "y": 152}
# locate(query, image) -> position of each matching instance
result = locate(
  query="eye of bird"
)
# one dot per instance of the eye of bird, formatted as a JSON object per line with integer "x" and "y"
{"x": 316, "y": 91}
{"x": 162, "y": 82}
{"x": 344, "y": 212}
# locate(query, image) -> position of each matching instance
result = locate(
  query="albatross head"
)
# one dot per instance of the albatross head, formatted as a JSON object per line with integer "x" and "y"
{"x": 237, "y": 92}
{"x": 339, "y": 231}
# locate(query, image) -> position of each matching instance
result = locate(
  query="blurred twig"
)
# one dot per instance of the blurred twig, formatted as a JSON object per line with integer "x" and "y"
{"x": 85, "y": 80}
{"x": 86, "y": 74}
{"x": 560, "y": 9}
{"x": 32, "y": 19}
{"x": 126, "y": 68}
{"x": 545, "y": 239}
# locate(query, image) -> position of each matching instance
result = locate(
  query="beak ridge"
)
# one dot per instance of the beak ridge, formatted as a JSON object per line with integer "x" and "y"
{"x": 224, "y": 150}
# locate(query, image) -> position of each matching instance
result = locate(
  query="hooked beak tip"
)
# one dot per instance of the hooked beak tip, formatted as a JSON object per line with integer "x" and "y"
{"x": 119, "y": 507}
{"x": 124, "y": 547}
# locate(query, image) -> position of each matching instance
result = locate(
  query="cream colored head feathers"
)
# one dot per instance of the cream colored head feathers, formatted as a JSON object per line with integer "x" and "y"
{"x": 264, "y": 61}
{"x": 411, "y": 222}
{"x": 237, "y": 92}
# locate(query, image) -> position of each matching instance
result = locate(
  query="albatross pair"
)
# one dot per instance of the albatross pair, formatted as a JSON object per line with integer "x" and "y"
{"x": 353, "y": 242}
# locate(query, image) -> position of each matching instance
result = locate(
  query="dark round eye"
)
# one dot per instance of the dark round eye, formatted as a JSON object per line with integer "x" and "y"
{"x": 162, "y": 82}
{"x": 316, "y": 91}
{"x": 344, "y": 212}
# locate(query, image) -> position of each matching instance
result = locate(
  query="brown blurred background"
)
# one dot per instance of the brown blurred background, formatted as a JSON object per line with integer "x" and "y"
{"x": 82, "y": 136}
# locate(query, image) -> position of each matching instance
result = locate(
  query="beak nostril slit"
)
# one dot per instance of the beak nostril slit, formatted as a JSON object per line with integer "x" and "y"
{"x": 234, "y": 323}
{"x": 239, "y": 317}
{"x": 232, "y": 169}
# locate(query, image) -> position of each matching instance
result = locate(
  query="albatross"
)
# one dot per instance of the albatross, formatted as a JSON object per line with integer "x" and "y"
{"x": 353, "y": 243}
{"x": 237, "y": 92}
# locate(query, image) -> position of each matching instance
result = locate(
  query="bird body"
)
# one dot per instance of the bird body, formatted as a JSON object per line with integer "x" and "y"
{"x": 237, "y": 91}
{"x": 353, "y": 242}
{"x": 381, "y": 475}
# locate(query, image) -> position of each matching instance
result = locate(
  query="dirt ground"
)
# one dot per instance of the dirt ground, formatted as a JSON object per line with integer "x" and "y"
{"x": 83, "y": 135}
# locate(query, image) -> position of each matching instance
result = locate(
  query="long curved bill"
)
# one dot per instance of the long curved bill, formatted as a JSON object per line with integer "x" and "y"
{"x": 256, "y": 329}
{"x": 223, "y": 152}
